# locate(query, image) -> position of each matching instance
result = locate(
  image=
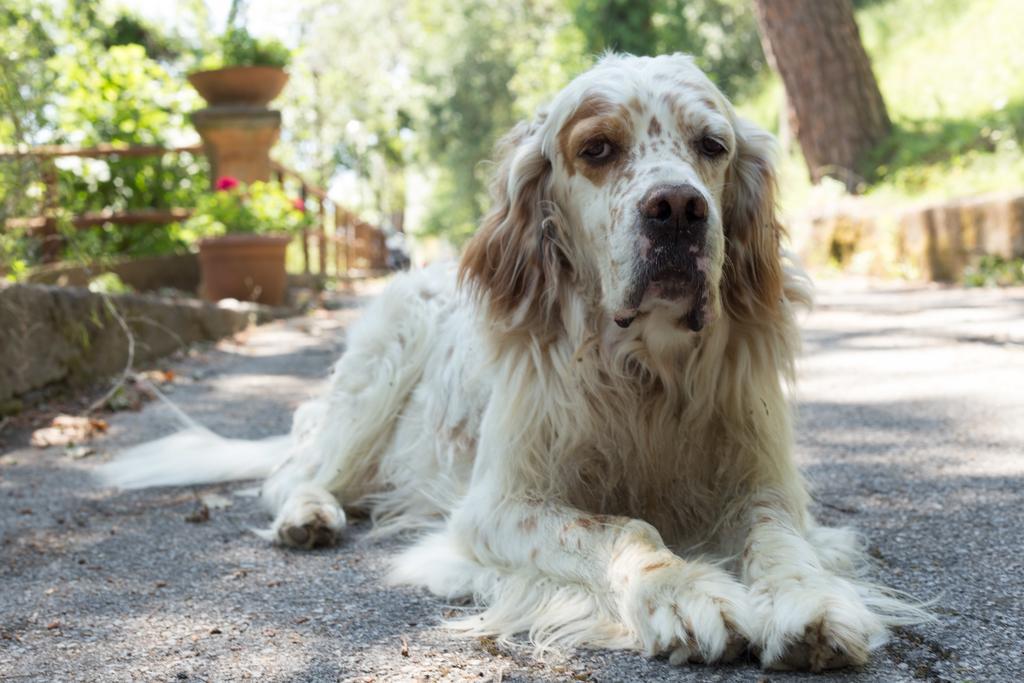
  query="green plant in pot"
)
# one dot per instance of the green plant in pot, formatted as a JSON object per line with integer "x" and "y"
{"x": 243, "y": 233}
{"x": 244, "y": 70}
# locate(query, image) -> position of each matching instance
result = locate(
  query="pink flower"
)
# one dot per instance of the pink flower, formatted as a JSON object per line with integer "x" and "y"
{"x": 226, "y": 182}
{"x": 299, "y": 204}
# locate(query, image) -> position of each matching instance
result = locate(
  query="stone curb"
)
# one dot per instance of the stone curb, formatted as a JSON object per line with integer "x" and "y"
{"x": 51, "y": 335}
{"x": 935, "y": 240}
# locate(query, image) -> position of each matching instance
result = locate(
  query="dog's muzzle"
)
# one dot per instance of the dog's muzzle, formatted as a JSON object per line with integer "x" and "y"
{"x": 672, "y": 264}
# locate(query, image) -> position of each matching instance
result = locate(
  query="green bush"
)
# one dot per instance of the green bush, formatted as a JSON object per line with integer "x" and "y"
{"x": 238, "y": 47}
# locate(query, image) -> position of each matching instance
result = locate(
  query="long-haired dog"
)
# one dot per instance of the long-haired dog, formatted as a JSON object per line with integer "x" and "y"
{"x": 587, "y": 424}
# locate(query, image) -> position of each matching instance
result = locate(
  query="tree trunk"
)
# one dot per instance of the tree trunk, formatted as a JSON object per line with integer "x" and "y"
{"x": 836, "y": 111}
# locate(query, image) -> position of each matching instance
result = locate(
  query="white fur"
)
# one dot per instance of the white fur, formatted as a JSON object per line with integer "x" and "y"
{"x": 586, "y": 484}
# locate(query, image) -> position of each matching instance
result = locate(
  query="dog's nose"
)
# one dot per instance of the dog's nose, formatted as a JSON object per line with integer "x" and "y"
{"x": 674, "y": 206}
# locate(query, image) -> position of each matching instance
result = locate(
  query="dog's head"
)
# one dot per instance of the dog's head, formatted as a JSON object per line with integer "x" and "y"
{"x": 641, "y": 190}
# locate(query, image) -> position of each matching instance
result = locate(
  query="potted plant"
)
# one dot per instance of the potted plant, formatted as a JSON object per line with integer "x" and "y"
{"x": 245, "y": 71}
{"x": 243, "y": 232}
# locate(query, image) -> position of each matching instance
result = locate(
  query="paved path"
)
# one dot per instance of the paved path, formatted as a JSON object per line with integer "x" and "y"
{"x": 911, "y": 428}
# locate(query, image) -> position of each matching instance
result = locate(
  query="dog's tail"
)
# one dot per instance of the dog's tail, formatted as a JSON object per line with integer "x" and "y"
{"x": 193, "y": 456}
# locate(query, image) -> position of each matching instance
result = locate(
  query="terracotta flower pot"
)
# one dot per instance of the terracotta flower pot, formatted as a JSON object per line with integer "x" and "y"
{"x": 243, "y": 267}
{"x": 254, "y": 86}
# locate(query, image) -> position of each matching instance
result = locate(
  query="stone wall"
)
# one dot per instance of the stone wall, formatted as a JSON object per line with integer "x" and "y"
{"x": 54, "y": 335}
{"x": 929, "y": 240}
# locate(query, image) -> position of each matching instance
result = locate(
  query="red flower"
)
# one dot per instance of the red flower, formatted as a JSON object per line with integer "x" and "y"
{"x": 299, "y": 204}
{"x": 226, "y": 182}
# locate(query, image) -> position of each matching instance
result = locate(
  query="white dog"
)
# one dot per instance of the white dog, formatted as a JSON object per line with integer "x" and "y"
{"x": 588, "y": 424}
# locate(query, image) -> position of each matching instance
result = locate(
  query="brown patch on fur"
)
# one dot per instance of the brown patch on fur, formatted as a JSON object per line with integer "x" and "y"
{"x": 589, "y": 108}
{"x": 654, "y": 566}
{"x": 510, "y": 261}
{"x": 753, "y": 276}
{"x": 533, "y": 554}
{"x": 528, "y": 523}
{"x": 584, "y": 522}
{"x": 636, "y": 105}
{"x": 654, "y": 129}
{"x": 594, "y": 118}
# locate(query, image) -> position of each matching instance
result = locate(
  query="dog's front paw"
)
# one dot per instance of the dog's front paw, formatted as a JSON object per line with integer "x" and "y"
{"x": 814, "y": 623}
{"x": 692, "y": 612}
{"x": 310, "y": 518}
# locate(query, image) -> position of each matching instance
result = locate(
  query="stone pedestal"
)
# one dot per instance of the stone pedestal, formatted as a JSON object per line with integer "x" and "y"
{"x": 237, "y": 140}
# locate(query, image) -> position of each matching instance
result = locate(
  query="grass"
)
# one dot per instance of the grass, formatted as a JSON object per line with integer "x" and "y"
{"x": 952, "y": 74}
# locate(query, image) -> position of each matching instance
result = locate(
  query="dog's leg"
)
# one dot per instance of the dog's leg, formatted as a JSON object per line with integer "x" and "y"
{"x": 689, "y": 610}
{"x": 808, "y": 617}
{"x": 339, "y": 439}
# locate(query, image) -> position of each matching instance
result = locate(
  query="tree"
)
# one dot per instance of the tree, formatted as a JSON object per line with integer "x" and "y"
{"x": 836, "y": 110}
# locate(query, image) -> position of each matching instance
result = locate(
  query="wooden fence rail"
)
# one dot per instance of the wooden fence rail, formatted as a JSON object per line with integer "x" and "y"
{"x": 356, "y": 244}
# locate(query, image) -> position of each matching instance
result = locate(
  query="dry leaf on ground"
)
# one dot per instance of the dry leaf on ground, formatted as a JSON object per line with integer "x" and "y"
{"x": 66, "y": 430}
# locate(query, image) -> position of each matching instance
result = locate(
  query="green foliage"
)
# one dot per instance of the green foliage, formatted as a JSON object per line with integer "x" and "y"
{"x": 96, "y": 88}
{"x": 484, "y": 65}
{"x": 995, "y": 271}
{"x": 119, "y": 95}
{"x": 720, "y": 34}
{"x": 950, "y": 71}
{"x": 622, "y": 25}
{"x": 470, "y": 103}
{"x": 116, "y": 95}
{"x": 238, "y": 47}
{"x": 25, "y": 80}
{"x": 25, "y": 45}
{"x": 129, "y": 29}
{"x": 259, "y": 208}
{"x": 921, "y": 154}
{"x": 108, "y": 283}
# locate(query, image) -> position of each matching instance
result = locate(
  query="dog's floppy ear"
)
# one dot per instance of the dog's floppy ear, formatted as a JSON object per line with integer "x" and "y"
{"x": 753, "y": 278}
{"x": 514, "y": 260}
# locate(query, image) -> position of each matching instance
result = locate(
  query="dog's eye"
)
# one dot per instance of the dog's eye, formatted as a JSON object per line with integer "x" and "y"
{"x": 710, "y": 147}
{"x": 597, "y": 150}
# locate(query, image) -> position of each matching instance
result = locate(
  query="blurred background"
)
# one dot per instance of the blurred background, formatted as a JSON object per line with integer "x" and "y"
{"x": 281, "y": 158}
{"x": 900, "y": 121}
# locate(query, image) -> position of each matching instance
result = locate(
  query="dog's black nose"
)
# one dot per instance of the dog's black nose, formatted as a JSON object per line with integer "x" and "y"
{"x": 674, "y": 207}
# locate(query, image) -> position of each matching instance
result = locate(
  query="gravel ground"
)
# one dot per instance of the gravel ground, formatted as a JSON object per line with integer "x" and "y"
{"x": 911, "y": 428}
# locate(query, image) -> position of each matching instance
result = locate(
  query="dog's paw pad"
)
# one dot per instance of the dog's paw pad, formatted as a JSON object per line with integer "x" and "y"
{"x": 821, "y": 648}
{"x": 311, "y": 518}
{"x": 315, "y": 534}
